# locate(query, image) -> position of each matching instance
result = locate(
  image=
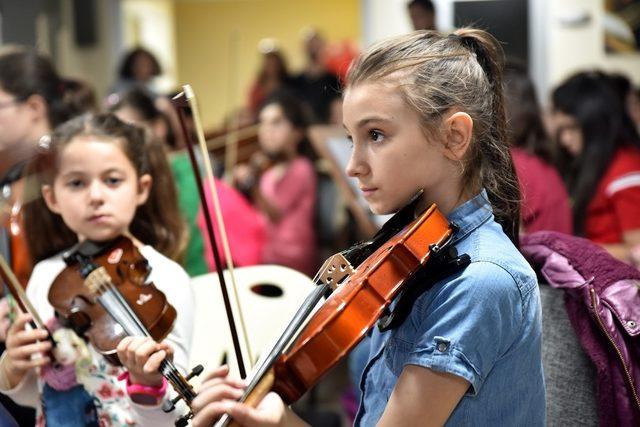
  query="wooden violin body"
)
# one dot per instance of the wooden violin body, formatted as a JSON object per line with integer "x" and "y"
{"x": 350, "y": 311}
{"x": 85, "y": 300}
{"x": 12, "y": 220}
{"x": 356, "y": 305}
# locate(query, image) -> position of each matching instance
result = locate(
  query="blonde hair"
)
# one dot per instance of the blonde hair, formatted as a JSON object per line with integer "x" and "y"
{"x": 436, "y": 73}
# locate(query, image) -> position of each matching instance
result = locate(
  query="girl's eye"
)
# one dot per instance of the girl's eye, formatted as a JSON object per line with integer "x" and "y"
{"x": 112, "y": 181}
{"x": 375, "y": 135}
{"x": 75, "y": 183}
{"x": 350, "y": 139}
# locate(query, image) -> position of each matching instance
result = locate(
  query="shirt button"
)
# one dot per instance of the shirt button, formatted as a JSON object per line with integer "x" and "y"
{"x": 442, "y": 347}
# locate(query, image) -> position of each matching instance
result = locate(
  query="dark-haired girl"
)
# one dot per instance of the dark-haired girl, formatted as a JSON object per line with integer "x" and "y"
{"x": 545, "y": 202}
{"x": 600, "y": 161}
{"x": 100, "y": 178}
{"x": 285, "y": 189}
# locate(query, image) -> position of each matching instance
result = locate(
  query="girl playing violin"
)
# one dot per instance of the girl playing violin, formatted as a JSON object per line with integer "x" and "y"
{"x": 425, "y": 114}
{"x": 282, "y": 184}
{"x": 100, "y": 179}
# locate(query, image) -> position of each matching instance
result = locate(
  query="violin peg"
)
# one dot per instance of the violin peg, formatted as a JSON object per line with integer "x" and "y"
{"x": 183, "y": 420}
{"x": 195, "y": 372}
{"x": 170, "y": 405}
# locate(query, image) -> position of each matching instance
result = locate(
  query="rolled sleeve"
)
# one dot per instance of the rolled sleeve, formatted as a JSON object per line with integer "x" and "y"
{"x": 467, "y": 326}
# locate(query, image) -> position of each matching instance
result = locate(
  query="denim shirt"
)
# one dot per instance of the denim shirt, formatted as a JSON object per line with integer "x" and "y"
{"x": 482, "y": 324}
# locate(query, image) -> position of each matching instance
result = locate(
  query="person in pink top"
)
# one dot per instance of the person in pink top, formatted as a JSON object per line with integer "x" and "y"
{"x": 244, "y": 226}
{"x": 285, "y": 191}
{"x": 545, "y": 201}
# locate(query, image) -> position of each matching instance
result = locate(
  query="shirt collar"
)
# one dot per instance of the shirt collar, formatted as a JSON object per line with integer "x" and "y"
{"x": 470, "y": 215}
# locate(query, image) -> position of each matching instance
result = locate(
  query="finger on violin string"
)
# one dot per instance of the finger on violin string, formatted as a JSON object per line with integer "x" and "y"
{"x": 270, "y": 412}
{"x": 144, "y": 350}
{"x": 128, "y": 346}
{"x": 167, "y": 348}
{"x": 216, "y": 393}
{"x": 221, "y": 375}
{"x": 207, "y": 416}
{"x": 123, "y": 348}
{"x": 152, "y": 365}
{"x": 220, "y": 371}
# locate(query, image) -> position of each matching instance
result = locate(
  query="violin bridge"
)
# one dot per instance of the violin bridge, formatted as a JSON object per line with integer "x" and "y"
{"x": 335, "y": 270}
{"x": 97, "y": 281}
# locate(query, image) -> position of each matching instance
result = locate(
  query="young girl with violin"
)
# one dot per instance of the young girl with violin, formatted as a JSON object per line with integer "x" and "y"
{"x": 425, "y": 114}
{"x": 282, "y": 184}
{"x": 100, "y": 179}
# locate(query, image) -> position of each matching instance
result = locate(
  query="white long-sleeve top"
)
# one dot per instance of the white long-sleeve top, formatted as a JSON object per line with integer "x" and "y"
{"x": 102, "y": 383}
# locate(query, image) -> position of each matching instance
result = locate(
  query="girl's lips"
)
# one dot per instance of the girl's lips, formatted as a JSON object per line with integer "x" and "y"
{"x": 98, "y": 218}
{"x": 366, "y": 192}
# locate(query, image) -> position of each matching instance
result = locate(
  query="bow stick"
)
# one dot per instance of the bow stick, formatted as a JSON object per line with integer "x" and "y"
{"x": 182, "y": 101}
{"x": 18, "y": 293}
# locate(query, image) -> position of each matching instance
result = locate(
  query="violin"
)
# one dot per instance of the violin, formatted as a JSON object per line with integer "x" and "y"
{"x": 357, "y": 300}
{"x": 12, "y": 199}
{"x": 103, "y": 295}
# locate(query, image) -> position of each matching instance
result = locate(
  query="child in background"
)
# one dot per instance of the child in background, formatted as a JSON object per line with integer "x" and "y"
{"x": 282, "y": 184}
{"x": 100, "y": 179}
{"x": 545, "y": 202}
{"x": 600, "y": 161}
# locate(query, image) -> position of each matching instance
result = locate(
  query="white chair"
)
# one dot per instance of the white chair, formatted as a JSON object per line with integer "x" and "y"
{"x": 269, "y": 296}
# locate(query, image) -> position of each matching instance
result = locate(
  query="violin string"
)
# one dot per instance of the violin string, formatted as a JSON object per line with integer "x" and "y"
{"x": 172, "y": 375}
{"x": 289, "y": 333}
{"x": 315, "y": 295}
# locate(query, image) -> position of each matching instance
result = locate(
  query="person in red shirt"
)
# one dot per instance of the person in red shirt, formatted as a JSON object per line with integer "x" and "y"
{"x": 600, "y": 160}
{"x": 545, "y": 202}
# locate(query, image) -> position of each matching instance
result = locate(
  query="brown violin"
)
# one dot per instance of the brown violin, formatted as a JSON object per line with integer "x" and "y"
{"x": 302, "y": 356}
{"x": 12, "y": 199}
{"x": 103, "y": 294}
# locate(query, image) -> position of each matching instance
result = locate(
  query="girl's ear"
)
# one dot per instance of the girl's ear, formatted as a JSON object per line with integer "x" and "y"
{"x": 144, "y": 187}
{"x": 50, "y": 199}
{"x": 458, "y": 133}
{"x": 37, "y": 106}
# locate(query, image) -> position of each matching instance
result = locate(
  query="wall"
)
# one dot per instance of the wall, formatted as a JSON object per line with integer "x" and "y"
{"x": 573, "y": 48}
{"x": 151, "y": 24}
{"x": 556, "y": 48}
{"x": 387, "y": 18}
{"x": 216, "y": 42}
{"x": 19, "y": 21}
{"x": 95, "y": 64}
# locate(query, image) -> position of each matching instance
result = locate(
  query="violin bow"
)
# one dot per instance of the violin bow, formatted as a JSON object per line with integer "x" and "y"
{"x": 15, "y": 288}
{"x": 182, "y": 101}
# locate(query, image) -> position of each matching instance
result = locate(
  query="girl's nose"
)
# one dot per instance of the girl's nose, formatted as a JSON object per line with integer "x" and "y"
{"x": 357, "y": 165}
{"x": 96, "y": 193}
